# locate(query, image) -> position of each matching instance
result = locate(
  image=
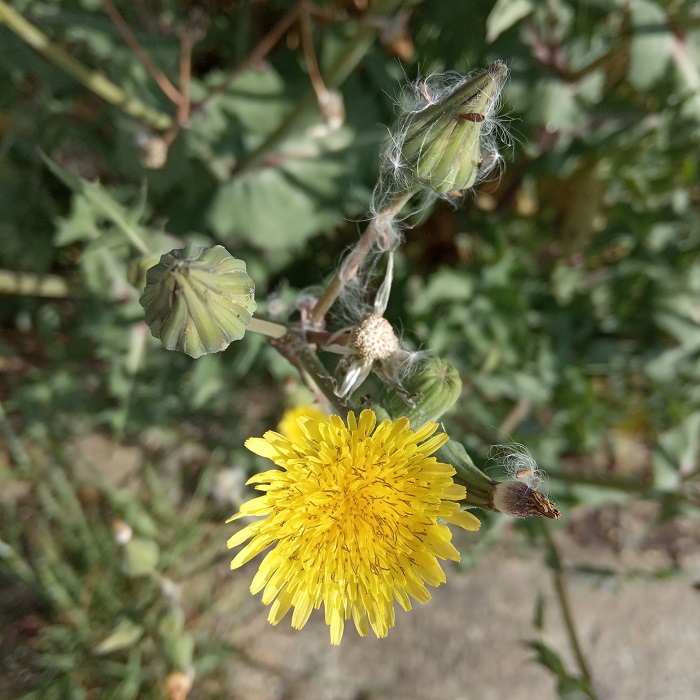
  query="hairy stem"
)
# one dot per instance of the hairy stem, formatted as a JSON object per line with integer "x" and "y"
{"x": 93, "y": 80}
{"x": 311, "y": 369}
{"x": 353, "y": 261}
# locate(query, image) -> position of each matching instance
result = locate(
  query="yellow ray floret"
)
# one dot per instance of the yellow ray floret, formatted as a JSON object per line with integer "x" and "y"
{"x": 353, "y": 513}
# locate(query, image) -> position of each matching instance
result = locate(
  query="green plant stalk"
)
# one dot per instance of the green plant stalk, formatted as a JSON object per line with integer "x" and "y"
{"x": 687, "y": 69}
{"x": 93, "y": 80}
{"x": 352, "y": 262}
{"x": 267, "y": 328}
{"x": 564, "y": 604}
{"x": 132, "y": 366}
{"x": 307, "y": 363}
{"x": 351, "y": 54}
{"x": 313, "y": 366}
{"x": 29, "y": 284}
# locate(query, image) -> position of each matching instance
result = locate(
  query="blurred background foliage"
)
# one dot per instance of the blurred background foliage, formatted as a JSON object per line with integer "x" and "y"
{"x": 567, "y": 292}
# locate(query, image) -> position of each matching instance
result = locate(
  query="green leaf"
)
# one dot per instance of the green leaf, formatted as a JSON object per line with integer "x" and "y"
{"x": 125, "y": 219}
{"x": 569, "y": 687}
{"x": 125, "y": 634}
{"x": 140, "y": 557}
{"x": 677, "y": 453}
{"x": 280, "y": 207}
{"x": 651, "y": 46}
{"x": 504, "y": 15}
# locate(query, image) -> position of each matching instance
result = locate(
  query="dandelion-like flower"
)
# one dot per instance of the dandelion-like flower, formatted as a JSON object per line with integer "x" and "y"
{"x": 353, "y": 515}
{"x": 289, "y": 423}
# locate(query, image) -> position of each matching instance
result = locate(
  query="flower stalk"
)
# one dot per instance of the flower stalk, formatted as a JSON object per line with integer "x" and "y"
{"x": 352, "y": 263}
{"x": 93, "y": 80}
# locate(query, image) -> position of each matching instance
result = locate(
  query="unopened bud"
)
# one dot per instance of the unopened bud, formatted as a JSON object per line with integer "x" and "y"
{"x": 518, "y": 499}
{"x": 198, "y": 300}
{"x": 154, "y": 151}
{"x": 332, "y": 108}
{"x": 440, "y": 146}
{"x": 433, "y": 389}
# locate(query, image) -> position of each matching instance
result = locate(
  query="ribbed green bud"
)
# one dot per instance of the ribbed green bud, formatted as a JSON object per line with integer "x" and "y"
{"x": 434, "y": 389}
{"x": 441, "y": 145}
{"x": 198, "y": 300}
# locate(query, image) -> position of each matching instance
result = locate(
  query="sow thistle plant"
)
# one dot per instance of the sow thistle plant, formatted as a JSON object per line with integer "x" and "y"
{"x": 355, "y": 513}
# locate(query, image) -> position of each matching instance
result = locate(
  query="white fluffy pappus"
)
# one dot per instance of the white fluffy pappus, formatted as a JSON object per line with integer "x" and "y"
{"x": 515, "y": 459}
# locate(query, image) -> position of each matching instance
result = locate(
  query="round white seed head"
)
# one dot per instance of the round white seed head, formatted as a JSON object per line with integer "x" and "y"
{"x": 374, "y": 338}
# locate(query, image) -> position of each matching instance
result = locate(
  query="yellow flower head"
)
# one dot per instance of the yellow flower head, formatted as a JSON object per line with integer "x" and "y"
{"x": 289, "y": 426}
{"x": 354, "y": 513}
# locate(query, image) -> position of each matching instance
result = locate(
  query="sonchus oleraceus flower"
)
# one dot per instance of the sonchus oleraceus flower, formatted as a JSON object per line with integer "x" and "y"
{"x": 353, "y": 518}
{"x": 289, "y": 423}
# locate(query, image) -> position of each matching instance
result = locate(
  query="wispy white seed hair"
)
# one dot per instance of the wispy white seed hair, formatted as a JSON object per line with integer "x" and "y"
{"x": 431, "y": 90}
{"x": 516, "y": 460}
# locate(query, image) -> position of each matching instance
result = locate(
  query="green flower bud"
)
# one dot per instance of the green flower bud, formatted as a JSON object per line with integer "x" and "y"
{"x": 198, "y": 300}
{"x": 433, "y": 388}
{"x": 441, "y": 146}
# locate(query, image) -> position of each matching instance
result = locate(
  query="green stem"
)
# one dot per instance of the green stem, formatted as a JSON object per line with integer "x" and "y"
{"x": 687, "y": 69}
{"x": 479, "y": 486}
{"x": 268, "y": 328}
{"x": 133, "y": 365}
{"x": 93, "y": 80}
{"x": 354, "y": 259}
{"x": 351, "y": 54}
{"x": 310, "y": 363}
{"x": 29, "y": 284}
{"x": 310, "y": 368}
{"x": 564, "y": 603}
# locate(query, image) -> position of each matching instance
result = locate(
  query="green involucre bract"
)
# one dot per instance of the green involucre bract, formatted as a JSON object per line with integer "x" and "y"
{"x": 198, "y": 300}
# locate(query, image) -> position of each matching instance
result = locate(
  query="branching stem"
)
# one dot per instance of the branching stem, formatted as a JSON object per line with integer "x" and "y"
{"x": 169, "y": 90}
{"x": 351, "y": 54}
{"x": 93, "y": 80}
